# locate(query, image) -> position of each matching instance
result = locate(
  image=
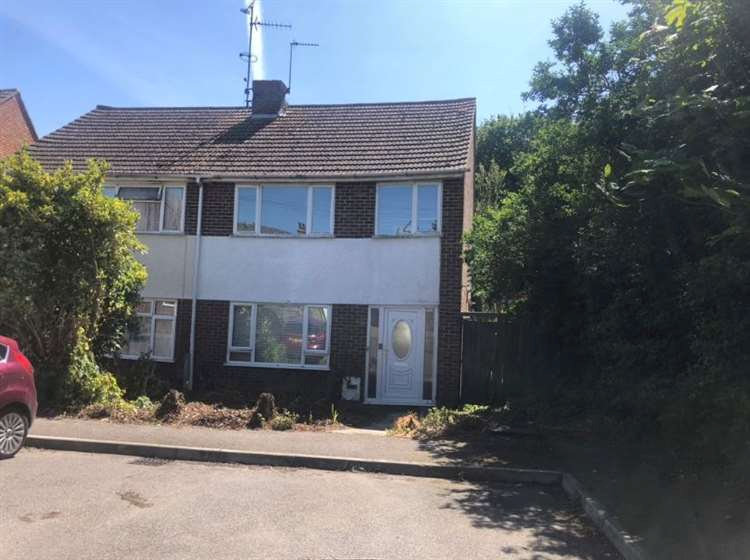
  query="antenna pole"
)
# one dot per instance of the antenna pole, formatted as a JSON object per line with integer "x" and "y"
{"x": 291, "y": 52}
{"x": 249, "y": 53}
{"x": 250, "y": 11}
{"x": 289, "y": 82}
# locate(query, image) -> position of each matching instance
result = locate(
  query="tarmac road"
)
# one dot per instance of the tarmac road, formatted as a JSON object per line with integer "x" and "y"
{"x": 64, "y": 505}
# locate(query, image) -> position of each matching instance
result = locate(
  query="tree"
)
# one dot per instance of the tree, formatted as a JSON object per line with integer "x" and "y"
{"x": 70, "y": 281}
{"x": 624, "y": 236}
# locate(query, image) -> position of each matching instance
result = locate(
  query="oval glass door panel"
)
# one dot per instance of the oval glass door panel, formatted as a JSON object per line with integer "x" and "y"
{"x": 401, "y": 339}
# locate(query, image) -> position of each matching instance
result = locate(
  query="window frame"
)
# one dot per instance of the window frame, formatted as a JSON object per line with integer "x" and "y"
{"x": 303, "y": 350}
{"x": 162, "y": 203}
{"x": 414, "y": 225}
{"x": 250, "y": 349}
{"x": 154, "y": 316}
{"x": 259, "y": 205}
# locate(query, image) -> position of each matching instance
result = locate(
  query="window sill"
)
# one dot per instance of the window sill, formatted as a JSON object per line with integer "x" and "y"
{"x": 281, "y": 236}
{"x": 160, "y": 233}
{"x": 256, "y": 365}
{"x": 151, "y": 359}
{"x": 407, "y": 236}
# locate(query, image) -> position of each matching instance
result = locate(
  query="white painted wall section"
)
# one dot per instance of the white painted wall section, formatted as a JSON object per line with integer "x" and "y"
{"x": 355, "y": 271}
{"x": 169, "y": 262}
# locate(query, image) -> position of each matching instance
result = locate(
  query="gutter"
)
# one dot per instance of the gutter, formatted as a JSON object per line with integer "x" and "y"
{"x": 415, "y": 176}
{"x": 194, "y": 301}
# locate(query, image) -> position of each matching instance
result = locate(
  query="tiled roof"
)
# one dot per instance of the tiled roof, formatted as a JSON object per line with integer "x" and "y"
{"x": 6, "y": 94}
{"x": 307, "y": 141}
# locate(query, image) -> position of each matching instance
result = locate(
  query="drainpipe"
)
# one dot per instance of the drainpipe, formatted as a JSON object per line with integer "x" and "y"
{"x": 194, "y": 303}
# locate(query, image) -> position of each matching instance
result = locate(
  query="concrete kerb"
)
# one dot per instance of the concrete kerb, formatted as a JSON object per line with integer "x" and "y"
{"x": 624, "y": 542}
{"x": 180, "y": 453}
{"x": 620, "y": 539}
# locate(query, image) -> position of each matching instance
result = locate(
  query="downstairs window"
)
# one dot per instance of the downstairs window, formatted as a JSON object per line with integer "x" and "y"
{"x": 155, "y": 331}
{"x": 279, "y": 335}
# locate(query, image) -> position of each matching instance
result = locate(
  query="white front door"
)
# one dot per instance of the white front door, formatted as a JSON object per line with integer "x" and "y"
{"x": 403, "y": 345}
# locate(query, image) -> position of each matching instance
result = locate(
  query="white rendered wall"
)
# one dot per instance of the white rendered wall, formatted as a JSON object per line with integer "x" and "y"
{"x": 356, "y": 271}
{"x": 169, "y": 262}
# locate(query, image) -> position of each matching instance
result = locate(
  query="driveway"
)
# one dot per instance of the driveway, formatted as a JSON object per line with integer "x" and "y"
{"x": 79, "y": 506}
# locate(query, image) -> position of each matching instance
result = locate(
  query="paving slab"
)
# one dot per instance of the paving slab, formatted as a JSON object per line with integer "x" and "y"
{"x": 356, "y": 444}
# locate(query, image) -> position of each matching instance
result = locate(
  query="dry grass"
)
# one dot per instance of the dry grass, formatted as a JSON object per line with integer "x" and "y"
{"x": 198, "y": 413}
{"x": 406, "y": 426}
{"x": 212, "y": 416}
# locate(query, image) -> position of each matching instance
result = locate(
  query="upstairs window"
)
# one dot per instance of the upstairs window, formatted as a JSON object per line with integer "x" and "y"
{"x": 286, "y": 210}
{"x": 160, "y": 208}
{"x": 279, "y": 335}
{"x": 408, "y": 209}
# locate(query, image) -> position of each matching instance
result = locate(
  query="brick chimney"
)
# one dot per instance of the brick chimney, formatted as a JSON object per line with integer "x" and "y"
{"x": 269, "y": 98}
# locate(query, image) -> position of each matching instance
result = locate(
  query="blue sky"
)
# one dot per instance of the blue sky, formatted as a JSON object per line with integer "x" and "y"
{"x": 67, "y": 56}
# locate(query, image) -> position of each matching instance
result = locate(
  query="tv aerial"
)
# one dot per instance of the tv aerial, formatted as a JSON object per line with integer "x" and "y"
{"x": 255, "y": 24}
{"x": 292, "y": 45}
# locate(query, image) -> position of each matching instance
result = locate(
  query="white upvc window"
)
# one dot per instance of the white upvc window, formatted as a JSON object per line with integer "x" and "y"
{"x": 403, "y": 209}
{"x": 161, "y": 207}
{"x": 155, "y": 331}
{"x": 279, "y": 335}
{"x": 284, "y": 210}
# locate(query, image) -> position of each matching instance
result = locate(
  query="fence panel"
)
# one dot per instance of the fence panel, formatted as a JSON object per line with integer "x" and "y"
{"x": 501, "y": 360}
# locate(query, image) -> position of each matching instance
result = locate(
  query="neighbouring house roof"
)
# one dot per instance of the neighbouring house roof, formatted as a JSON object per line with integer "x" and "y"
{"x": 7, "y": 95}
{"x": 308, "y": 141}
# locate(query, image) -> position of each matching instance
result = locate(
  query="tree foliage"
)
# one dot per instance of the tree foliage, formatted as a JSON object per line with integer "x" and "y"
{"x": 69, "y": 280}
{"x": 625, "y": 234}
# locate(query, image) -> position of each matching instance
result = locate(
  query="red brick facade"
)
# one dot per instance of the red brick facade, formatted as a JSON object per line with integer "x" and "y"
{"x": 16, "y": 129}
{"x": 355, "y": 210}
{"x": 348, "y": 339}
{"x": 449, "y": 326}
{"x": 354, "y": 217}
{"x": 218, "y": 208}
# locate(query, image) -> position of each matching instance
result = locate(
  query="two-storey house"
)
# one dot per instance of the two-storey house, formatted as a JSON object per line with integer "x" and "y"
{"x": 292, "y": 246}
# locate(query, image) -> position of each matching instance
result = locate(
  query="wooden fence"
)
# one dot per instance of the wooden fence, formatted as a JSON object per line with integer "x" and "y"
{"x": 502, "y": 360}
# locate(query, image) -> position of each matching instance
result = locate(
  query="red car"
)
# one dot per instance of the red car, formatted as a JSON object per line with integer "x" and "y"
{"x": 17, "y": 397}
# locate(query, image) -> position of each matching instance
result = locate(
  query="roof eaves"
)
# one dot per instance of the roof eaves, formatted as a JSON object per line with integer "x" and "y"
{"x": 26, "y": 116}
{"x": 276, "y": 177}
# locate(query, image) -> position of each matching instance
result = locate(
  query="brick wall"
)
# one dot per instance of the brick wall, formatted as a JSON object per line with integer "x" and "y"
{"x": 349, "y": 341}
{"x": 218, "y": 208}
{"x": 354, "y": 217}
{"x": 449, "y": 327}
{"x": 355, "y": 210}
{"x": 191, "y": 209}
{"x": 348, "y": 331}
{"x": 14, "y": 130}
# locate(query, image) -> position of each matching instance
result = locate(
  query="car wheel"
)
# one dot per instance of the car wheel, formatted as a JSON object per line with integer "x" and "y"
{"x": 13, "y": 429}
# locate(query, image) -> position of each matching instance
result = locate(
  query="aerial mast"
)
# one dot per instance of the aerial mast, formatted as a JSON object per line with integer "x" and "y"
{"x": 254, "y": 24}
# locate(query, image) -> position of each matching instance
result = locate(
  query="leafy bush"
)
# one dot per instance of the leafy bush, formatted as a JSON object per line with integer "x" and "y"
{"x": 86, "y": 382}
{"x": 143, "y": 403}
{"x": 283, "y": 420}
{"x": 74, "y": 282}
{"x": 442, "y": 420}
{"x": 139, "y": 377}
